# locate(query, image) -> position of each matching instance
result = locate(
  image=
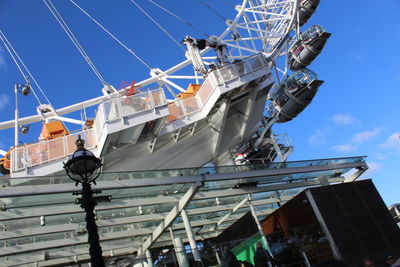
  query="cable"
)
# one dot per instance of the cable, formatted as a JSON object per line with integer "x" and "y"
{"x": 213, "y": 10}
{"x": 70, "y": 34}
{"x": 30, "y": 75}
{"x": 227, "y": 2}
{"x": 155, "y": 22}
{"x": 9, "y": 48}
{"x": 74, "y": 40}
{"x": 109, "y": 33}
{"x": 179, "y": 18}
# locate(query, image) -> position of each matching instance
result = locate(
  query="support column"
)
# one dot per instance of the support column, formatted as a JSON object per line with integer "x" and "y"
{"x": 149, "y": 258}
{"x": 324, "y": 227}
{"x": 189, "y": 232}
{"x": 217, "y": 256}
{"x": 180, "y": 252}
{"x": 260, "y": 230}
{"x": 306, "y": 259}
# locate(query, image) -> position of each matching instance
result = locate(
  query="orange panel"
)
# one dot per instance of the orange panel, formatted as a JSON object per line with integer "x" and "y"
{"x": 190, "y": 91}
{"x": 52, "y": 130}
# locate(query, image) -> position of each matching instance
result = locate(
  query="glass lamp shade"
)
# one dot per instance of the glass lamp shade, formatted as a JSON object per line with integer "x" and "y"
{"x": 83, "y": 166}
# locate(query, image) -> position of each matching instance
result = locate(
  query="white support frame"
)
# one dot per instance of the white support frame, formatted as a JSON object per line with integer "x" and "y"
{"x": 252, "y": 17}
{"x": 172, "y": 215}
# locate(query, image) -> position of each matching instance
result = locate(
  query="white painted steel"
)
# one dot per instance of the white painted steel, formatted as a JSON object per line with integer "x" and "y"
{"x": 250, "y": 21}
{"x": 190, "y": 236}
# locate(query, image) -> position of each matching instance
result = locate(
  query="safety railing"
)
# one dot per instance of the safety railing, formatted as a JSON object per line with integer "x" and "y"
{"x": 227, "y": 73}
{"x": 99, "y": 122}
{"x": 44, "y": 151}
{"x": 116, "y": 108}
{"x": 184, "y": 107}
{"x": 285, "y": 144}
{"x": 123, "y": 106}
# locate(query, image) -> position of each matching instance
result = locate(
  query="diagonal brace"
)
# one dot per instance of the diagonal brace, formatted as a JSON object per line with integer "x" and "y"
{"x": 171, "y": 216}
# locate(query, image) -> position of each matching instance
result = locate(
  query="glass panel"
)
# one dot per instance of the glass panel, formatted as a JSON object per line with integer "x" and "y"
{"x": 123, "y": 223}
{"x": 56, "y": 148}
{"x": 133, "y": 104}
{"x": 175, "y": 111}
{"x": 17, "y": 158}
{"x": 206, "y": 90}
{"x": 158, "y": 97}
{"x": 191, "y": 105}
{"x": 36, "y": 153}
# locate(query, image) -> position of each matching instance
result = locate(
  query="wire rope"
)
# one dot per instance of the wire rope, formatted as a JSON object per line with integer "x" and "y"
{"x": 9, "y": 48}
{"x": 30, "y": 75}
{"x": 179, "y": 18}
{"x": 158, "y": 25}
{"x": 112, "y": 35}
{"x": 74, "y": 40}
{"x": 227, "y": 3}
{"x": 213, "y": 10}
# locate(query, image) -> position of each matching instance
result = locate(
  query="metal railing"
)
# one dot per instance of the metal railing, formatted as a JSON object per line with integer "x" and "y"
{"x": 117, "y": 108}
{"x": 124, "y": 106}
{"x": 44, "y": 151}
{"x": 184, "y": 107}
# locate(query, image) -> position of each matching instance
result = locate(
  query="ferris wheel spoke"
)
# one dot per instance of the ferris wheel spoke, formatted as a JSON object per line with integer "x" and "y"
{"x": 243, "y": 48}
{"x": 248, "y": 28}
{"x": 259, "y": 26}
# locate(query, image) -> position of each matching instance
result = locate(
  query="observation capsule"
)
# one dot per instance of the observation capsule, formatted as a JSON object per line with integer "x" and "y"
{"x": 293, "y": 95}
{"x": 306, "y": 9}
{"x": 308, "y": 47}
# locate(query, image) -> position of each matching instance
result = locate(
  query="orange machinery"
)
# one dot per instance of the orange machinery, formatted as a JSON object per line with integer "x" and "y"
{"x": 5, "y": 163}
{"x": 190, "y": 91}
{"x": 53, "y": 129}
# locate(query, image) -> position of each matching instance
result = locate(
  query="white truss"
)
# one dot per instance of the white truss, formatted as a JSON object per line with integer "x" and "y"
{"x": 259, "y": 26}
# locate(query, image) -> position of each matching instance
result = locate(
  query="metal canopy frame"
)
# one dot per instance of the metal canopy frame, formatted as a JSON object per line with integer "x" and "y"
{"x": 40, "y": 224}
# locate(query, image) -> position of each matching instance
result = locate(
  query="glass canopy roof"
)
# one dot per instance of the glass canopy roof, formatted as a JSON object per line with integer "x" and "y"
{"x": 41, "y": 224}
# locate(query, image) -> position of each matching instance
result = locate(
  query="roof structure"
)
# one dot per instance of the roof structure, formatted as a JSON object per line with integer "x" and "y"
{"x": 41, "y": 224}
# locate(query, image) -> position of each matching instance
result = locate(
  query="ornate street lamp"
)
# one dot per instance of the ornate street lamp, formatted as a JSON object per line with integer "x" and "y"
{"x": 83, "y": 167}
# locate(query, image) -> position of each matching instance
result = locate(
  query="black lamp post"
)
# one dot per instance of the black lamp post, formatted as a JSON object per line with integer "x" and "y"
{"x": 83, "y": 167}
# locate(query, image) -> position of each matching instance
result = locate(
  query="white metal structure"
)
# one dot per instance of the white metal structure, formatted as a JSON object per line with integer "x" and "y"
{"x": 225, "y": 111}
{"x": 40, "y": 224}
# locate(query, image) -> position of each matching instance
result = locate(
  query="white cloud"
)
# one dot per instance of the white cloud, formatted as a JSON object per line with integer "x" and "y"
{"x": 343, "y": 119}
{"x": 392, "y": 142}
{"x": 318, "y": 138}
{"x": 345, "y": 148}
{"x": 4, "y": 100}
{"x": 373, "y": 167}
{"x": 365, "y": 135}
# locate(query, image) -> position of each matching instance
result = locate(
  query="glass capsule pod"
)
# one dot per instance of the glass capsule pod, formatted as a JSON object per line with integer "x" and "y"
{"x": 293, "y": 95}
{"x": 308, "y": 47}
{"x": 306, "y": 9}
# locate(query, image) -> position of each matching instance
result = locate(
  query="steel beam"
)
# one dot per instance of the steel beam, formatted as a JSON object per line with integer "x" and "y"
{"x": 17, "y": 191}
{"x": 172, "y": 215}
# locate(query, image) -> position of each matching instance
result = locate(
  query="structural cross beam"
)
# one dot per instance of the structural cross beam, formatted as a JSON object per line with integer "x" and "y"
{"x": 171, "y": 216}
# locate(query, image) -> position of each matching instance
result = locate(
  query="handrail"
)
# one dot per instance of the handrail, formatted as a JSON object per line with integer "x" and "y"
{"x": 44, "y": 151}
{"x": 184, "y": 107}
{"x": 113, "y": 109}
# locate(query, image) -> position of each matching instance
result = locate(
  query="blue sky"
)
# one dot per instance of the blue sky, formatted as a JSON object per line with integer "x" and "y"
{"x": 354, "y": 113}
